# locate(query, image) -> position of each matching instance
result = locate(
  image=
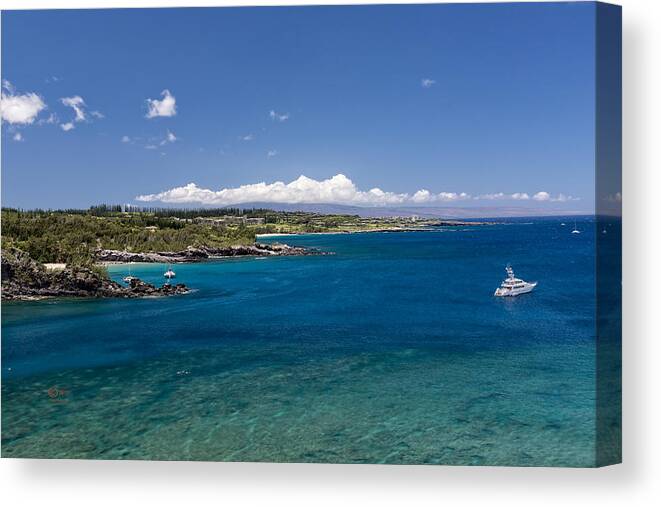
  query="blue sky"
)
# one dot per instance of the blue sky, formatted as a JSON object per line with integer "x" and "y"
{"x": 461, "y": 105}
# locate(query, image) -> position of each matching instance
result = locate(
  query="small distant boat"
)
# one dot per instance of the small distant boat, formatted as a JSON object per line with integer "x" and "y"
{"x": 129, "y": 278}
{"x": 513, "y": 286}
{"x": 563, "y": 224}
{"x": 575, "y": 231}
{"x": 169, "y": 273}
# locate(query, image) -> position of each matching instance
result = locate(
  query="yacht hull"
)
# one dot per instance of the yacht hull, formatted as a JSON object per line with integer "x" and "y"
{"x": 500, "y": 292}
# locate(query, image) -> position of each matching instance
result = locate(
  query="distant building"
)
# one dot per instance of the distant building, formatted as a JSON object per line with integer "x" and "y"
{"x": 224, "y": 220}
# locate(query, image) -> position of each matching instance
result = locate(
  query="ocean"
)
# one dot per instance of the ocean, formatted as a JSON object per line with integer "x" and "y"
{"x": 391, "y": 350}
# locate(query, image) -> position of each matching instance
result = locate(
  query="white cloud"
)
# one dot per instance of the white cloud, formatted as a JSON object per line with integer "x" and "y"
{"x": 18, "y": 137}
{"x": 165, "y": 107}
{"x": 491, "y": 197}
{"x": 421, "y": 196}
{"x": 339, "y": 189}
{"x": 451, "y": 196}
{"x": 169, "y": 138}
{"x": 427, "y": 83}
{"x": 336, "y": 190}
{"x": 19, "y": 109}
{"x": 8, "y": 86}
{"x": 425, "y": 196}
{"x": 565, "y": 198}
{"x": 520, "y": 196}
{"x": 271, "y": 153}
{"x": 546, "y": 197}
{"x": 79, "y": 108}
{"x": 151, "y": 147}
{"x": 516, "y": 196}
{"x": 278, "y": 116}
{"x": 52, "y": 119}
{"x": 67, "y": 126}
{"x": 249, "y": 137}
{"x": 126, "y": 139}
{"x": 77, "y": 104}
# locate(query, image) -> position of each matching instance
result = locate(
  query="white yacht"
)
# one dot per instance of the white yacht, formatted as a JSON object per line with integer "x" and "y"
{"x": 575, "y": 231}
{"x": 512, "y": 286}
{"x": 169, "y": 273}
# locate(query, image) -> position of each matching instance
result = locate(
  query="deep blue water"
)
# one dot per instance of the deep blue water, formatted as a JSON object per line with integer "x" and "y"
{"x": 392, "y": 350}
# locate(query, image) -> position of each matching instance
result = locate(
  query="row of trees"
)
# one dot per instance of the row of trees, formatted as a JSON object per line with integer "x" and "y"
{"x": 181, "y": 213}
{"x": 106, "y": 210}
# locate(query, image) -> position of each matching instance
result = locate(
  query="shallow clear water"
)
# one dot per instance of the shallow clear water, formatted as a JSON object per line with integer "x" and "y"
{"x": 393, "y": 350}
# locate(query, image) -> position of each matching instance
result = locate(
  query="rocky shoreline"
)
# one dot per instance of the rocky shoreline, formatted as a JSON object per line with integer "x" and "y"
{"x": 24, "y": 279}
{"x": 197, "y": 254}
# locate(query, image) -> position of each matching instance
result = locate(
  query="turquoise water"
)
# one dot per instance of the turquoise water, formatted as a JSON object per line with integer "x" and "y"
{"x": 393, "y": 350}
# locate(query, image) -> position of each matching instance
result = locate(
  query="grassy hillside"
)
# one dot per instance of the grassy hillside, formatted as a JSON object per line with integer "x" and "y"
{"x": 72, "y": 237}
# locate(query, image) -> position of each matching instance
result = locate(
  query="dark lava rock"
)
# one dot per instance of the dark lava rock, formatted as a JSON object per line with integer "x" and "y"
{"x": 196, "y": 254}
{"x": 25, "y": 279}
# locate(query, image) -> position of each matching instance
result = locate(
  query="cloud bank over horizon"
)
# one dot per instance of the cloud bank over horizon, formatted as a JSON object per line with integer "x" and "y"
{"x": 338, "y": 189}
